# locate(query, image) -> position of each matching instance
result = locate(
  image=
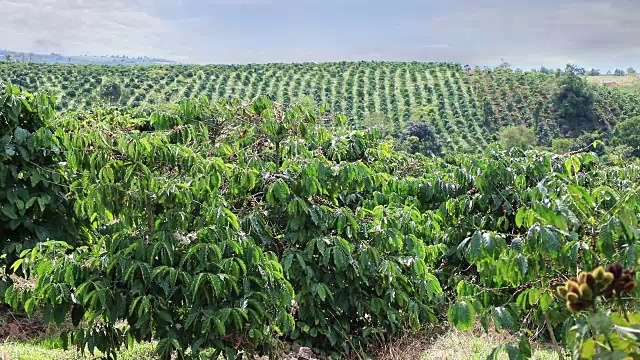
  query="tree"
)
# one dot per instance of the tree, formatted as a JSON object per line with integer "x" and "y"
{"x": 545, "y": 70}
{"x": 627, "y": 133}
{"x": 575, "y": 69}
{"x": 420, "y": 137}
{"x": 562, "y": 145}
{"x": 424, "y": 112}
{"x": 111, "y": 92}
{"x": 574, "y": 103}
{"x": 631, "y": 70}
{"x": 517, "y": 136}
{"x": 587, "y": 140}
{"x": 619, "y": 72}
{"x": 594, "y": 72}
{"x": 504, "y": 65}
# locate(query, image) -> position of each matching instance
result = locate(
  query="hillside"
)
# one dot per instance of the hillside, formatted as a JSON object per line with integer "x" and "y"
{"x": 465, "y": 106}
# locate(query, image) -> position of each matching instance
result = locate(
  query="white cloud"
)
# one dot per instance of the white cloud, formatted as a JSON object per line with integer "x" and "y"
{"x": 468, "y": 31}
{"x": 547, "y": 31}
{"x": 78, "y": 27}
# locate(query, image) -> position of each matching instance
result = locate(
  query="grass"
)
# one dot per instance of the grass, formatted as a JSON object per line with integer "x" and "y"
{"x": 628, "y": 83}
{"x": 450, "y": 345}
{"x": 455, "y": 345}
{"x": 50, "y": 350}
{"x": 462, "y": 345}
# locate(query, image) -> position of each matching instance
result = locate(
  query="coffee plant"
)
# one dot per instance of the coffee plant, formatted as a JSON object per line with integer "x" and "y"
{"x": 163, "y": 257}
{"x": 33, "y": 206}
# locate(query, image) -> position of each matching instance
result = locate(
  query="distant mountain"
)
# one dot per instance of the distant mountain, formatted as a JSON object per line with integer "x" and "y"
{"x": 17, "y": 56}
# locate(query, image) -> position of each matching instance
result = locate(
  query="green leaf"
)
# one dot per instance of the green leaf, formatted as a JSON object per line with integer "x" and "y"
{"x": 520, "y": 261}
{"x": 322, "y": 293}
{"x": 43, "y": 201}
{"x": 77, "y": 312}
{"x": 494, "y": 355}
{"x": 525, "y": 347}
{"x": 340, "y": 259}
{"x": 549, "y": 241}
{"x": 589, "y": 349}
{"x": 514, "y": 353}
{"x": 9, "y": 211}
{"x": 20, "y": 135}
{"x": 502, "y": 318}
{"x": 461, "y": 315}
{"x": 545, "y": 301}
{"x": 520, "y": 216}
{"x": 165, "y": 315}
{"x": 475, "y": 246}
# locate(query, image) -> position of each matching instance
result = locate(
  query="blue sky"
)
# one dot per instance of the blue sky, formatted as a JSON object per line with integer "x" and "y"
{"x": 592, "y": 33}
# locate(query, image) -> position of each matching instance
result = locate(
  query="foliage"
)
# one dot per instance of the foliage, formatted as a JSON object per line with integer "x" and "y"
{"x": 233, "y": 226}
{"x": 627, "y": 133}
{"x": 32, "y": 192}
{"x": 420, "y": 137}
{"x": 517, "y": 136}
{"x": 163, "y": 252}
{"x": 532, "y": 219}
{"x": 111, "y": 92}
{"x": 594, "y": 141}
{"x": 575, "y": 104}
{"x": 379, "y": 121}
{"x": 209, "y": 215}
{"x": 562, "y": 145}
{"x": 619, "y": 72}
{"x": 35, "y": 350}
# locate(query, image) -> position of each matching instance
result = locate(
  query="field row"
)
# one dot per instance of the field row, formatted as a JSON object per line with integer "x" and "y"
{"x": 465, "y": 106}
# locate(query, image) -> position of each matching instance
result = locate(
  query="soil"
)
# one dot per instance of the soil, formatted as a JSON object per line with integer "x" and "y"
{"x": 18, "y": 327}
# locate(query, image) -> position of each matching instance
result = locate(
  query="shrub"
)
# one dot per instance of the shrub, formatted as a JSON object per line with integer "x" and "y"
{"x": 163, "y": 253}
{"x": 32, "y": 191}
{"x": 562, "y": 145}
{"x": 517, "y": 136}
{"x": 420, "y": 137}
{"x": 627, "y": 133}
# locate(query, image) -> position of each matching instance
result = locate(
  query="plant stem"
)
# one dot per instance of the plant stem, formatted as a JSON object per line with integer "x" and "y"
{"x": 622, "y": 309}
{"x": 609, "y": 342}
{"x": 554, "y": 341}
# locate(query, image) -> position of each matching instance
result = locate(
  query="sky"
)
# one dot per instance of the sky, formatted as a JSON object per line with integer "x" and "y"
{"x": 591, "y": 33}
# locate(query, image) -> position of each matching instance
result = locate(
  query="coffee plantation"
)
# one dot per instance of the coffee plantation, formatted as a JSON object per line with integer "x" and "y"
{"x": 465, "y": 106}
{"x": 240, "y": 228}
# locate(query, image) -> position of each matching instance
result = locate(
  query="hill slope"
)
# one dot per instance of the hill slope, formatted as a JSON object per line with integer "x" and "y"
{"x": 465, "y": 106}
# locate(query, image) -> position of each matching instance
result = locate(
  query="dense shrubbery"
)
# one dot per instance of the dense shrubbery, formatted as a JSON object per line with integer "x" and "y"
{"x": 233, "y": 227}
{"x": 33, "y": 206}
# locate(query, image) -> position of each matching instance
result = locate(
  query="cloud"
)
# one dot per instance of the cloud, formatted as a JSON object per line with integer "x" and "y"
{"x": 541, "y": 30}
{"x": 549, "y": 32}
{"x": 78, "y": 27}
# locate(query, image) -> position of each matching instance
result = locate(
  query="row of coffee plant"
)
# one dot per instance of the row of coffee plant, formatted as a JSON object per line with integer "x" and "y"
{"x": 236, "y": 228}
